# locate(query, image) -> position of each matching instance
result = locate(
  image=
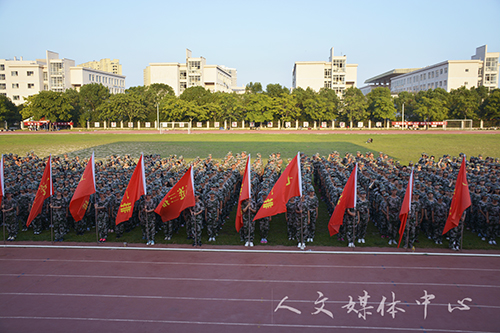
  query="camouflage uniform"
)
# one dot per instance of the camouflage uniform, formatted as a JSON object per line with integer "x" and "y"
{"x": 493, "y": 222}
{"x": 349, "y": 223}
{"x": 263, "y": 222}
{"x": 212, "y": 213}
{"x": 363, "y": 208}
{"x": 291, "y": 218}
{"x": 394, "y": 206}
{"x": 59, "y": 218}
{"x": 148, "y": 220}
{"x": 197, "y": 223}
{"x": 248, "y": 230}
{"x": 312, "y": 204}
{"x": 440, "y": 215}
{"x": 102, "y": 218}
{"x": 10, "y": 217}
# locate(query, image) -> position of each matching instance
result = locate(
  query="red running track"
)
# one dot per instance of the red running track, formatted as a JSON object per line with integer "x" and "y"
{"x": 132, "y": 290}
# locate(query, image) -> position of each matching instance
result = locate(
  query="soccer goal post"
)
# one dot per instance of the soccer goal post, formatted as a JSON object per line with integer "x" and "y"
{"x": 464, "y": 124}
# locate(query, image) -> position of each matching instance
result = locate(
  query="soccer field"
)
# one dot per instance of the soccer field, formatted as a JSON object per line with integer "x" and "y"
{"x": 403, "y": 147}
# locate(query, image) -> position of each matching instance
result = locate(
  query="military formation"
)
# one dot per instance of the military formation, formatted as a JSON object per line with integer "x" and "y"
{"x": 381, "y": 187}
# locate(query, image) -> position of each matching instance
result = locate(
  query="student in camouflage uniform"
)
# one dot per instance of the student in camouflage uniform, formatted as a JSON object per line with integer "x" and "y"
{"x": 248, "y": 211}
{"x": 58, "y": 206}
{"x": 263, "y": 222}
{"x": 350, "y": 225}
{"x": 393, "y": 208}
{"x": 439, "y": 215}
{"x": 363, "y": 208}
{"x": 212, "y": 209}
{"x": 301, "y": 221}
{"x": 414, "y": 218}
{"x": 24, "y": 201}
{"x": 493, "y": 219}
{"x": 481, "y": 217}
{"x": 427, "y": 223}
{"x": 10, "y": 210}
{"x": 148, "y": 218}
{"x": 312, "y": 205}
{"x": 197, "y": 215}
{"x": 102, "y": 217}
{"x": 291, "y": 218}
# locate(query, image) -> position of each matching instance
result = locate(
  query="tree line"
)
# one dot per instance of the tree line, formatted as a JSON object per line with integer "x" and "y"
{"x": 95, "y": 103}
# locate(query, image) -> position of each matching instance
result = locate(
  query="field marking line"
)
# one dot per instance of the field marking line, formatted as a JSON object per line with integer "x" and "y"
{"x": 156, "y": 321}
{"x": 191, "y": 264}
{"x": 452, "y": 254}
{"x": 185, "y": 279}
{"x": 211, "y": 299}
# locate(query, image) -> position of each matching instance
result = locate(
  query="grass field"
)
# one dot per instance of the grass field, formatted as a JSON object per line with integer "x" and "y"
{"x": 405, "y": 148}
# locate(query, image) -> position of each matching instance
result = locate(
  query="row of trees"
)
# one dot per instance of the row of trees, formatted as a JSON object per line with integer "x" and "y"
{"x": 94, "y": 103}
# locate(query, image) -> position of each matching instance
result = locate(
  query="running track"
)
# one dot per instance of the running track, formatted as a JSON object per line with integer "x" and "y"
{"x": 160, "y": 289}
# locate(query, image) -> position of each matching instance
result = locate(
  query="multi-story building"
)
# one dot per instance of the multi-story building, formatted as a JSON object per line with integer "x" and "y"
{"x": 20, "y": 78}
{"x": 195, "y": 72}
{"x": 335, "y": 74}
{"x": 481, "y": 70}
{"x": 105, "y": 65}
{"x": 384, "y": 80}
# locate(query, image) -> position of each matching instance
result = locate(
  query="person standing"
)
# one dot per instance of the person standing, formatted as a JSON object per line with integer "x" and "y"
{"x": 248, "y": 211}
{"x": 149, "y": 219}
{"x": 363, "y": 208}
{"x": 59, "y": 216}
{"x": 212, "y": 211}
{"x": 101, "y": 208}
{"x": 197, "y": 219}
{"x": 10, "y": 211}
{"x": 312, "y": 204}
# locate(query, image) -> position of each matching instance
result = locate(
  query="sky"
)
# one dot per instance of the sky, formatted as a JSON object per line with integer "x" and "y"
{"x": 261, "y": 39}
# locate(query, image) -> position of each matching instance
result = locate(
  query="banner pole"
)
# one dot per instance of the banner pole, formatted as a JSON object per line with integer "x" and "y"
{"x": 249, "y": 221}
{"x": 3, "y": 222}
{"x": 51, "y": 223}
{"x": 96, "y": 224}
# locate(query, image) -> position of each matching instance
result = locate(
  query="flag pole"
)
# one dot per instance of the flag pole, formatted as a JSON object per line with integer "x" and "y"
{"x": 301, "y": 229}
{"x": 462, "y": 218}
{"x": 3, "y": 222}
{"x": 249, "y": 221}
{"x": 354, "y": 227}
{"x": 96, "y": 224}
{"x": 51, "y": 223}
{"x": 147, "y": 226}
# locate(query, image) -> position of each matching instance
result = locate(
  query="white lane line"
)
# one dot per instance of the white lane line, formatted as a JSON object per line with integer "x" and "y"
{"x": 267, "y": 250}
{"x": 214, "y": 299}
{"x": 185, "y": 279}
{"x": 153, "y": 321}
{"x": 191, "y": 264}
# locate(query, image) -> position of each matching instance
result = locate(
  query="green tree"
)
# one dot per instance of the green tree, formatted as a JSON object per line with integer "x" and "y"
{"x": 231, "y": 105}
{"x": 464, "y": 103}
{"x": 408, "y": 100}
{"x": 153, "y": 96}
{"x": 490, "y": 109}
{"x": 124, "y": 107}
{"x": 253, "y": 88}
{"x": 285, "y": 108}
{"x": 276, "y": 90}
{"x": 381, "y": 104}
{"x": 354, "y": 105}
{"x": 300, "y": 97}
{"x": 432, "y": 105}
{"x": 73, "y": 97}
{"x": 8, "y": 111}
{"x": 91, "y": 97}
{"x": 322, "y": 106}
{"x": 259, "y": 108}
{"x": 54, "y": 106}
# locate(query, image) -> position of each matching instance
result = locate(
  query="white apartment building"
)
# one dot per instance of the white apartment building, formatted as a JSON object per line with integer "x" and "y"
{"x": 335, "y": 74}
{"x": 481, "y": 70}
{"x": 20, "y": 78}
{"x": 195, "y": 72}
{"x": 105, "y": 65}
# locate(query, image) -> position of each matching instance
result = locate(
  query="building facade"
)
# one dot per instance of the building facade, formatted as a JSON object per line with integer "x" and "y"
{"x": 335, "y": 74}
{"x": 195, "y": 72}
{"x": 20, "y": 78}
{"x": 105, "y": 65}
{"x": 481, "y": 70}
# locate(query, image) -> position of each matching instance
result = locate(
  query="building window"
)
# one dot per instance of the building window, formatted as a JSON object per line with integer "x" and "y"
{"x": 2, "y": 67}
{"x": 328, "y": 73}
{"x": 3, "y": 86}
{"x": 444, "y": 83}
{"x": 446, "y": 70}
{"x": 90, "y": 77}
{"x": 31, "y": 85}
{"x": 15, "y": 85}
{"x": 440, "y": 83}
{"x": 45, "y": 86}
{"x": 2, "y": 76}
{"x": 466, "y": 83}
{"x": 45, "y": 76}
{"x": 466, "y": 70}
{"x": 441, "y": 71}
{"x": 14, "y": 73}
{"x": 15, "y": 97}
{"x": 30, "y": 73}
{"x": 56, "y": 68}
{"x": 328, "y": 84}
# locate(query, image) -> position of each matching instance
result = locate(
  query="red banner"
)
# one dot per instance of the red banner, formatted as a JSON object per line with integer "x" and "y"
{"x": 45, "y": 190}
{"x": 180, "y": 197}
{"x": 86, "y": 187}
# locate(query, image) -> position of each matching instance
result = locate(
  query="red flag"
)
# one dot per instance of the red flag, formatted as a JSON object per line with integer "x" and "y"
{"x": 135, "y": 188}
{"x": 86, "y": 187}
{"x": 405, "y": 208}
{"x": 245, "y": 193}
{"x": 180, "y": 197}
{"x": 460, "y": 200}
{"x": 2, "y": 189}
{"x": 45, "y": 190}
{"x": 288, "y": 185}
{"x": 346, "y": 200}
